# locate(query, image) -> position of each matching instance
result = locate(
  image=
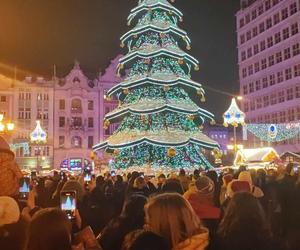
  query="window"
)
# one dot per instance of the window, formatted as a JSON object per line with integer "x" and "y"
{"x": 266, "y": 101}
{"x": 289, "y": 94}
{"x": 76, "y": 142}
{"x": 246, "y": 106}
{"x": 280, "y": 96}
{"x": 287, "y": 53}
{"x": 271, "y": 60}
{"x": 275, "y": 2}
{"x": 253, "y": 14}
{"x": 288, "y": 74}
{"x": 285, "y": 33}
{"x": 294, "y": 29}
{"x": 274, "y": 118}
{"x": 242, "y": 39}
{"x": 297, "y": 91}
{"x": 278, "y": 57}
{"x": 90, "y": 141}
{"x": 269, "y": 23}
{"x": 291, "y": 115}
{"x": 273, "y": 99}
{"x": 251, "y": 87}
{"x": 263, "y": 63}
{"x": 265, "y": 82}
{"x": 279, "y": 77}
{"x": 276, "y": 18}
{"x": 260, "y": 9}
{"x": 249, "y": 52}
{"x": 62, "y": 104}
{"x": 248, "y": 35}
{"x": 61, "y": 141}
{"x": 272, "y": 79}
{"x": 90, "y": 122}
{"x": 278, "y": 37}
{"x": 62, "y": 121}
{"x": 245, "y": 89}
{"x": 261, "y": 27}
{"x": 247, "y": 18}
{"x": 255, "y": 49}
{"x": 270, "y": 41}
{"x": 254, "y": 32}
{"x": 90, "y": 105}
{"x": 296, "y": 49}
{"x": 256, "y": 67}
{"x": 3, "y": 98}
{"x": 293, "y": 8}
{"x": 297, "y": 70}
{"x": 258, "y": 103}
{"x": 76, "y": 122}
{"x": 242, "y": 22}
{"x": 262, "y": 45}
{"x": 250, "y": 70}
{"x": 244, "y": 72}
{"x": 268, "y": 5}
{"x": 257, "y": 85}
{"x": 76, "y": 106}
{"x": 284, "y": 13}
{"x": 252, "y": 105}
{"x": 282, "y": 116}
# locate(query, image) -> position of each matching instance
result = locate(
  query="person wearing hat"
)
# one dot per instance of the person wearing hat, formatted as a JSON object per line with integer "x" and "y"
{"x": 201, "y": 197}
{"x": 10, "y": 173}
{"x": 12, "y": 227}
{"x": 246, "y": 176}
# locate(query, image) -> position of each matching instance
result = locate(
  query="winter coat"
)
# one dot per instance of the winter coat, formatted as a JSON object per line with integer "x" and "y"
{"x": 196, "y": 242}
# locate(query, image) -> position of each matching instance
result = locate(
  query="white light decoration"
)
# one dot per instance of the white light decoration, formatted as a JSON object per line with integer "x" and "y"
{"x": 38, "y": 135}
{"x": 234, "y": 116}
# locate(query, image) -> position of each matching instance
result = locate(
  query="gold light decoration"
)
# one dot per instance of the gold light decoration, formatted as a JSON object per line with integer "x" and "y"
{"x": 191, "y": 117}
{"x": 180, "y": 61}
{"x": 166, "y": 88}
{"x": 202, "y": 98}
{"x": 106, "y": 124}
{"x": 197, "y": 68}
{"x": 116, "y": 152}
{"x": 125, "y": 91}
{"x": 122, "y": 45}
{"x": 213, "y": 122}
{"x": 171, "y": 152}
{"x": 188, "y": 47}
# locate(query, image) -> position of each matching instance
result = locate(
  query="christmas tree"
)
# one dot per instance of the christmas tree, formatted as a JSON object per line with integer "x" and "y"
{"x": 160, "y": 122}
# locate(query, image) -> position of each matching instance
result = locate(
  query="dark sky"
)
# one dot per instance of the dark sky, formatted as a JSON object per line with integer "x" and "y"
{"x": 35, "y": 34}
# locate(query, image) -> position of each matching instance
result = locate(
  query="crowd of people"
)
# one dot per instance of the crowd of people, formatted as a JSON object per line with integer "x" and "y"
{"x": 233, "y": 209}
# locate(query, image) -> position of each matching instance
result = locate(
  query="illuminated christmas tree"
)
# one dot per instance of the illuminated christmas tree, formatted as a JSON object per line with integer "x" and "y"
{"x": 160, "y": 122}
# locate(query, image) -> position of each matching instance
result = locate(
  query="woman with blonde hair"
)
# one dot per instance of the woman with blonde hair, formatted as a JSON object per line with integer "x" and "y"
{"x": 172, "y": 217}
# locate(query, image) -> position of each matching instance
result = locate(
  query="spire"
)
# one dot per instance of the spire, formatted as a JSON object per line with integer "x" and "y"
{"x": 76, "y": 64}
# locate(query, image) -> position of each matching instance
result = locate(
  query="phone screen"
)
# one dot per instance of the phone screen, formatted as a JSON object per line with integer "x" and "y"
{"x": 87, "y": 177}
{"x": 24, "y": 188}
{"x": 68, "y": 203}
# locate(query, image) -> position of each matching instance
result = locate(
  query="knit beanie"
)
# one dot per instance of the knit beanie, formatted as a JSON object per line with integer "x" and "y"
{"x": 205, "y": 185}
{"x": 237, "y": 186}
{"x": 73, "y": 185}
{"x": 9, "y": 211}
{"x": 10, "y": 173}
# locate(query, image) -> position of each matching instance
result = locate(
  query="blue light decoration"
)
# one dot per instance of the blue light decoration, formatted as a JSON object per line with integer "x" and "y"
{"x": 38, "y": 135}
{"x": 24, "y": 145}
{"x": 160, "y": 121}
{"x": 274, "y": 132}
{"x": 233, "y": 115}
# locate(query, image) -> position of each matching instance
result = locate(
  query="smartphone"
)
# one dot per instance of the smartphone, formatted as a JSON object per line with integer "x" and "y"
{"x": 68, "y": 203}
{"x": 24, "y": 188}
{"x": 62, "y": 175}
{"x": 296, "y": 169}
{"x": 87, "y": 177}
{"x": 113, "y": 173}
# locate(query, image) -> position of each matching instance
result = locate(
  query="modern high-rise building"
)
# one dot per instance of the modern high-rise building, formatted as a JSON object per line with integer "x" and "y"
{"x": 71, "y": 111}
{"x": 269, "y": 64}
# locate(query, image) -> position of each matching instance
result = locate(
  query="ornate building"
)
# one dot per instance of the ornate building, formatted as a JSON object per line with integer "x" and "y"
{"x": 71, "y": 111}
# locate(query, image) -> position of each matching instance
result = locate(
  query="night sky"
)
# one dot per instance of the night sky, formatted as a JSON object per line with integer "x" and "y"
{"x": 35, "y": 34}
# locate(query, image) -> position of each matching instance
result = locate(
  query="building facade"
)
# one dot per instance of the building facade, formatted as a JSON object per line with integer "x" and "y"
{"x": 269, "y": 64}
{"x": 71, "y": 111}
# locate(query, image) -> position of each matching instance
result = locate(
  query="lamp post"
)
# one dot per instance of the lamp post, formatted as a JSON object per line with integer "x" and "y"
{"x": 234, "y": 116}
{"x": 37, "y": 137}
{"x": 6, "y": 127}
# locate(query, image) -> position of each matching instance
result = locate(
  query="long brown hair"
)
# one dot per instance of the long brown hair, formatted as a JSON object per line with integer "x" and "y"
{"x": 171, "y": 216}
{"x": 244, "y": 223}
{"x": 50, "y": 229}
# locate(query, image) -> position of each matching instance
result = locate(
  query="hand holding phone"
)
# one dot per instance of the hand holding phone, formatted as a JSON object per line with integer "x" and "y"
{"x": 24, "y": 188}
{"x": 68, "y": 203}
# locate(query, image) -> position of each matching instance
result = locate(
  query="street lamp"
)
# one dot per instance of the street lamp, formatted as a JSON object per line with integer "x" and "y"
{"x": 234, "y": 116}
{"x": 6, "y": 127}
{"x": 37, "y": 137}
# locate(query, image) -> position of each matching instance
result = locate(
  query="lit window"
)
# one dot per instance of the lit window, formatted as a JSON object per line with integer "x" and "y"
{"x": 62, "y": 104}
